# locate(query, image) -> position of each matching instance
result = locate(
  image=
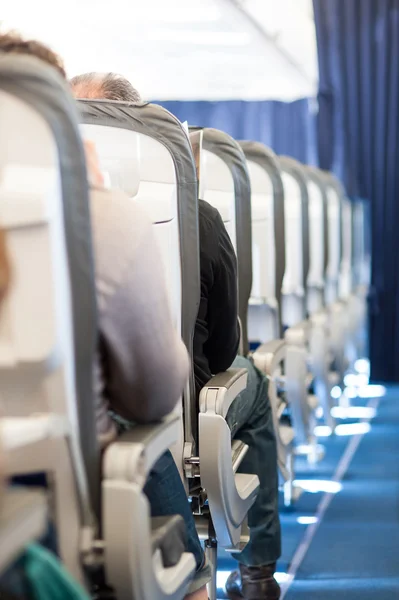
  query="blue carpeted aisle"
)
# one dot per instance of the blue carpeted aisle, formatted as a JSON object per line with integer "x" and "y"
{"x": 354, "y": 554}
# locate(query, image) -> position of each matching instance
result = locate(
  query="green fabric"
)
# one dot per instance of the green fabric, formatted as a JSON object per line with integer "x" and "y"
{"x": 47, "y": 577}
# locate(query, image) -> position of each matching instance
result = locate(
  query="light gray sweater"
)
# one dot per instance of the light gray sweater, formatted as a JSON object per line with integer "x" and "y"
{"x": 142, "y": 363}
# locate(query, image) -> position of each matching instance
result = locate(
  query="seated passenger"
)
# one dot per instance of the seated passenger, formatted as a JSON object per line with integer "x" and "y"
{"x": 216, "y": 342}
{"x": 137, "y": 337}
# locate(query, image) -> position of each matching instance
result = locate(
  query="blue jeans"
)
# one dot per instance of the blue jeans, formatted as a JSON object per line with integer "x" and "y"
{"x": 250, "y": 420}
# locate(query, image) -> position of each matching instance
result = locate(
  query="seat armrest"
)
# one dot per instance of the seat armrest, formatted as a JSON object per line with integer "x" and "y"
{"x": 21, "y": 432}
{"x": 298, "y": 334}
{"x": 267, "y": 356}
{"x": 133, "y": 455}
{"x": 168, "y": 535}
{"x": 23, "y": 519}
{"x": 218, "y": 394}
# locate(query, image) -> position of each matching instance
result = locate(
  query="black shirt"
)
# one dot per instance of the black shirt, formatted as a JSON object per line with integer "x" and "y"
{"x": 217, "y": 332}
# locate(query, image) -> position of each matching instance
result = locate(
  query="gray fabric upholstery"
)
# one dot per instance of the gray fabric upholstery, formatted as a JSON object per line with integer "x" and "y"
{"x": 43, "y": 89}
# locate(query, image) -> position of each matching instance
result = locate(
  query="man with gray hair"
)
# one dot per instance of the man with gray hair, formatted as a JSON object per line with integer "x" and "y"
{"x": 104, "y": 86}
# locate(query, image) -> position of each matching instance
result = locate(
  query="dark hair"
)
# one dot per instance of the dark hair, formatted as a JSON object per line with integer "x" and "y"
{"x": 110, "y": 86}
{"x": 13, "y": 43}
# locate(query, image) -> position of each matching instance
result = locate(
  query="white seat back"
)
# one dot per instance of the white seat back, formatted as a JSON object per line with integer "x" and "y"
{"x": 48, "y": 325}
{"x": 318, "y": 240}
{"x": 225, "y": 184}
{"x": 143, "y": 168}
{"x": 296, "y": 242}
{"x": 217, "y": 185}
{"x": 334, "y": 209}
{"x": 360, "y": 254}
{"x": 137, "y": 147}
{"x": 145, "y": 152}
{"x": 345, "y": 278}
{"x": 268, "y": 244}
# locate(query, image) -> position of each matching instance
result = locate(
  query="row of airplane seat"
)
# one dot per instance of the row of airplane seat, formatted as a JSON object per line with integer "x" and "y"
{"x": 286, "y": 285}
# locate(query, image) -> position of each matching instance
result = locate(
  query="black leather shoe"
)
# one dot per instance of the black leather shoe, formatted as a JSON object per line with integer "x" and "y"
{"x": 253, "y": 583}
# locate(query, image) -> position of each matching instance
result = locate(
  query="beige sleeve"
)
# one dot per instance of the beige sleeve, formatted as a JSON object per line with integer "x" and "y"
{"x": 145, "y": 361}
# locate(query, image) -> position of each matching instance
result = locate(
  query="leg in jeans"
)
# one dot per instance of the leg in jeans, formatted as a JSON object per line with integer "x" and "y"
{"x": 250, "y": 420}
{"x": 167, "y": 496}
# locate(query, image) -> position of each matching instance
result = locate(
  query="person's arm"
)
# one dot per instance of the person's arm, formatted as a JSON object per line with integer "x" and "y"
{"x": 224, "y": 331}
{"x": 145, "y": 361}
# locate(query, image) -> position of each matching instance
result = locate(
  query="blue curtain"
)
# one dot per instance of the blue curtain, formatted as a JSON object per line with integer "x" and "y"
{"x": 358, "y": 135}
{"x": 288, "y": 128}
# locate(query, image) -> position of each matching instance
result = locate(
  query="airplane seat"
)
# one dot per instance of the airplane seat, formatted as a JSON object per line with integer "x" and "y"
{"x": 357, "y": 342}
{"x": 361, "y": 277}
{"x": 264, "y": 311}
{"x": 338, "y": 278}
{"x": 319, "y": 333}
{"x": 48, "y": 320}
{"x": 157, "y": 147}
{"x": 298, "y": 377}
{"x": 221, "y": 174}
{"x": 48, "y": 340}
{"x": 137, "y": 147}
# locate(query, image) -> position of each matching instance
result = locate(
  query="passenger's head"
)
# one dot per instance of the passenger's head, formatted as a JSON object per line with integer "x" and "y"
{"x": 13, "y": 43}
{"x": 104, "y": 86}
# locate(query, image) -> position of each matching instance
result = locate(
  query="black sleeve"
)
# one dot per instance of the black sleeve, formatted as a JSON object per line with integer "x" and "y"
{"x": 224, "y": 332}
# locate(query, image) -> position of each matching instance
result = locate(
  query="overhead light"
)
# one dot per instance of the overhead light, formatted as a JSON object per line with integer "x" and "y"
{"x": 193, "y": 16}
{"x": 171, "y": 15}
{"x": 201, "y": 38}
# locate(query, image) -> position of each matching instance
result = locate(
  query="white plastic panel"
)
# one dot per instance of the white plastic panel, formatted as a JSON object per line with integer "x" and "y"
{"x": 334, "y": 244}
{"x": 144, "y": 169}
{"x": 167, "y": 235}
{"x": 217, "y": 185}
{"x": 345, "y": 280}
{"x": 263, "y": 240}
{"x": 118, "y": 151}
{"x": 293, "y": 276}
{"x": 362, "y": 260}
{"x": 36, "y": 332}
{"x": 316, "y": 236}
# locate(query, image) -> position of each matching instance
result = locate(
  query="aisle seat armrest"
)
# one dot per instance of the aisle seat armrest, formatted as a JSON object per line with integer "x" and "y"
{"x": 230, "y": 494}
{"x": 298, "y": 334}
{"x": 267, "y": 356}
{"x": 220, "y": 391}
{"x": 168, "y": 535}
{"x": 134, "y": 454}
